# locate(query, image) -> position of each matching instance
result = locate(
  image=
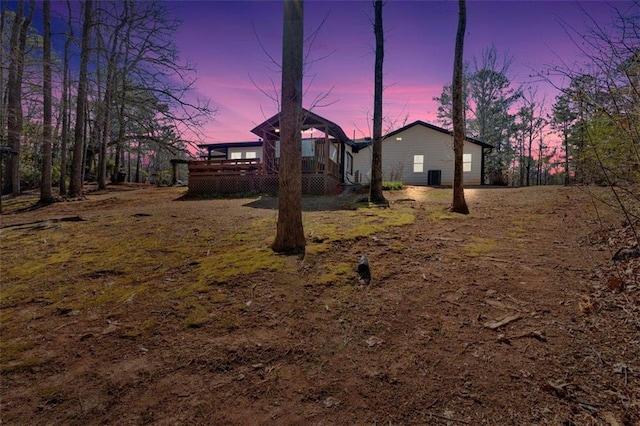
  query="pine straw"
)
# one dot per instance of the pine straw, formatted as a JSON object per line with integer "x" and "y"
{"x": 611, "y": 311}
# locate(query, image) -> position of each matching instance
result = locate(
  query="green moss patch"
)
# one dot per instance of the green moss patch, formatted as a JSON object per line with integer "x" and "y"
{"x": 479, "y": 246}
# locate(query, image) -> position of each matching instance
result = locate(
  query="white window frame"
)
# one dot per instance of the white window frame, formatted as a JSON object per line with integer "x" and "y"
{"x": 466, "y": 162}
{"x": 235, "y": 155}
{"x": 250, "y": 155}
{"x": 333, "y": 153}
{"x": 418, "y": 163}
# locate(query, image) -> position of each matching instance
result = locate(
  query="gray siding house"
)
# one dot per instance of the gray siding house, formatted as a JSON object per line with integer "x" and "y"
{"x": 422, "y": 154}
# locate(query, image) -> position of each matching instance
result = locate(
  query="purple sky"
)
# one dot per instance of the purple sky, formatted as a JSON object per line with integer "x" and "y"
{"x": 221, "y": 37}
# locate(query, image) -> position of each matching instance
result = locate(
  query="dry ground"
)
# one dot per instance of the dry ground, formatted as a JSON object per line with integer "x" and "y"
{"x": 136, "y": 306}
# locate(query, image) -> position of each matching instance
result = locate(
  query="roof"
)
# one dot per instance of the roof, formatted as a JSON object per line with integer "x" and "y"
{"x": 222, "y": 145}
{"x": 311, "y": 120}
{"x": 438, "y": 129}
{"x": 361, "y": 144}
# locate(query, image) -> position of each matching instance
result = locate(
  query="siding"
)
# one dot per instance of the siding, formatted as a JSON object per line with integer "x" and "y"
{"x": 435, "y": 146}
{"x": 362, "y": 165}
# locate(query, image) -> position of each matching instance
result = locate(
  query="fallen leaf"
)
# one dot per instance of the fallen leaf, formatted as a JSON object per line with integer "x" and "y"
{"x": 373, "y": 340}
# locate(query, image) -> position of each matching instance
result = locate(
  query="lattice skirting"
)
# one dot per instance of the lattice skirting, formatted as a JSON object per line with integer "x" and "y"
{"x": 311, "y": 184}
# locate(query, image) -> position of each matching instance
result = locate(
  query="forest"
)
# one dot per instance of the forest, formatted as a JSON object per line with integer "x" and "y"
{"x": 137, "y": 109}
{"x": 112, "y": 102}
{"x": 126, "y": 300}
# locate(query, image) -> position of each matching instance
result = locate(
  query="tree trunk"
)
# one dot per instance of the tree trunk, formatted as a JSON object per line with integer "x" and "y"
{"x": 459, "y": 205}
{"x": 529, "y": 155}
{"x": 376, "y": 161}
{"x": 13, "y": 134}
{"x": 566, "y": 155}
{"x": 46, "y": 194}
{"x": 3, "y": 104}
{"x": 66, "y": 77}
{"x": 115, "y": 42}
{"x": 77, "y": 166}
{"x": 290, "y": 233}
{"x": 123, "y": 101}
{"x": 14, "y": 93}
{"x": 138, "y": 160}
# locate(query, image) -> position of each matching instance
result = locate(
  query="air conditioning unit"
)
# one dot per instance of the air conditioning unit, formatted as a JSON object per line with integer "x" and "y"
{"x": 434, "y": 177}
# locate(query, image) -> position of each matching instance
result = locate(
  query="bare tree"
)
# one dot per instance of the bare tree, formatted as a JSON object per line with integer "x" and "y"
{"x": 488, "y": 96}
{"x": 65, "y": 108}
{"x": 46, "y": 194}
{"x": 114, "y": 45}
{"x": 459, "y": 205}
{"x": 3, "y": 109}
{"x": 531, "y": 123}
{"x": 75, "y": 184}
{"x": 141, "y": 56}
{"x": 604, "y": 95}
{"x": 15, "y": 118}
{"x": 562, "y": 120}
{"x": 376, "y": 195}
{"x": 290, "y": 233}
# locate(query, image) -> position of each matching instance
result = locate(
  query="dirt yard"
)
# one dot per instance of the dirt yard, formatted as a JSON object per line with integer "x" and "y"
{"x": 137, "y": 306}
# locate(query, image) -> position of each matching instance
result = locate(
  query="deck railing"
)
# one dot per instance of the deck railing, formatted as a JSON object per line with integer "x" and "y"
{"x": 227, "y": 167}
{"x": 311, "y": 165}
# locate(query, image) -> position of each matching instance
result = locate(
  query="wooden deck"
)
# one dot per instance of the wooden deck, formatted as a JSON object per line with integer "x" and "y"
{"x": 226, "y": 167}
{"x": 251, "y": 175}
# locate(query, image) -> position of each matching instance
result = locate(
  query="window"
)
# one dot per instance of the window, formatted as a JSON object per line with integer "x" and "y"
{"x": 250, "y": 155}
{"x": 235, "y": 155}
{"x": 466, "y": 162}
{"x": 333, "y": 153}
{"x": 418, "y": 163}
{"x": 349, "y": 163}
{"x": 308, "y": 147}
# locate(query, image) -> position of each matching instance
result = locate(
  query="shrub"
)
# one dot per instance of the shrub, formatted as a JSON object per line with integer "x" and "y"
{"x": 392, "y": 185}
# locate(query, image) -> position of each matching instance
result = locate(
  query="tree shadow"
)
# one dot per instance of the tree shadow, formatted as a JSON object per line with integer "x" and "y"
{"x": 32, "y": 206}
{"x": 311, "y": 203}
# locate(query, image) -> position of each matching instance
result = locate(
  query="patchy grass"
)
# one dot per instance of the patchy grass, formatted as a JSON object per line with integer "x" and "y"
{"x": 13, "y": 350}
{"x": 12, "y": 205}
{"x": 23, "y": 364}
{"x": 116, "y": 261}
{"x": 150, "y": 318}
{"x": 479, "y": 246}
{"x": 336, "y": 273}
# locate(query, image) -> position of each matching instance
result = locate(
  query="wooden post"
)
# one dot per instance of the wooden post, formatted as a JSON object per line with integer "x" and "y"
{"x": 174, "y": 172}
{"x": 327, "y": 151}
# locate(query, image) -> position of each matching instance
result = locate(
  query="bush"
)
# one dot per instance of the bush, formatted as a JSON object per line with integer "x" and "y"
{"x": 392, "y": 185}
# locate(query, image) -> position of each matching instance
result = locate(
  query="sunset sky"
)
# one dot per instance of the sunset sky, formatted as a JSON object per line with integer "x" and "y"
{"x": 224, "y": 39}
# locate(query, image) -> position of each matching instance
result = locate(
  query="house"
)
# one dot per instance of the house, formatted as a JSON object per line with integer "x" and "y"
{"x": 422, "y": 154}
{"x": 417, "y": 154}
{"x": 234, "y": 167}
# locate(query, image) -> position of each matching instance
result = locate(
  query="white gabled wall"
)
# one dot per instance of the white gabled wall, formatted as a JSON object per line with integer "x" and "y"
{"x": 399, "y": 150}
{"x": 436, "y": 147}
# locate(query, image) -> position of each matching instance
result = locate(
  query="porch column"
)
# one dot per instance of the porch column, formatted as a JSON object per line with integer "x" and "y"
{"x": 174, "y": 172}
{"x": 326, "y": 151}
{"x": 342, "y": 161}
